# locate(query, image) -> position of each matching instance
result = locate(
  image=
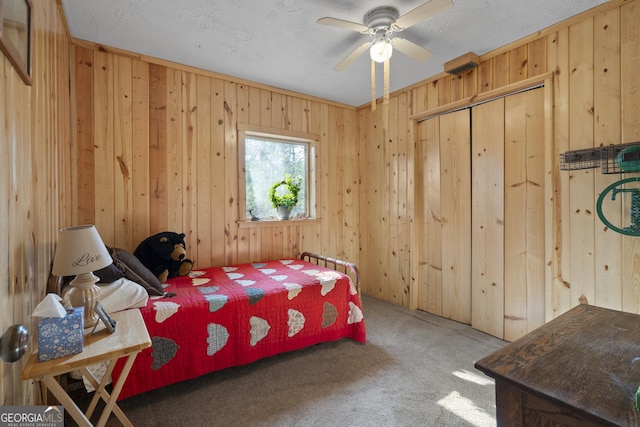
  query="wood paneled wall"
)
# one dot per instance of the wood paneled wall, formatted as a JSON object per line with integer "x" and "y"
{"x": 35, "y": 151}
{"x": 387, "y": 200}
{"x": 145, "y": 145}
{"x": 595, "y": 62}
{"x": 157, "y": 149}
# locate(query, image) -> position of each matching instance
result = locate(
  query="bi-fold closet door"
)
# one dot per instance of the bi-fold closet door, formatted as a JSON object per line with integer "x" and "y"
{"x": 482, "y": 206}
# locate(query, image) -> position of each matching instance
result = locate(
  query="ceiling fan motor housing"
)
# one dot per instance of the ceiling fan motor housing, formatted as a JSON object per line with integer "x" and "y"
{"x": 381, "y": 17}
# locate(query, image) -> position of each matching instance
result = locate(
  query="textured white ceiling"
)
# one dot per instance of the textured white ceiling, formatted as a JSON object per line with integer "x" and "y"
{"x": 278, "y": 43}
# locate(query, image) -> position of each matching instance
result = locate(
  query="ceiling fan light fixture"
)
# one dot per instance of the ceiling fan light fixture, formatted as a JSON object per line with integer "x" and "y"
{"x": 381, "y": 50}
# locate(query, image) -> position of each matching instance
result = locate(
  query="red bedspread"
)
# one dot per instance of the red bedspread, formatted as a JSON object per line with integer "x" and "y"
{"x": 229, "y": 316}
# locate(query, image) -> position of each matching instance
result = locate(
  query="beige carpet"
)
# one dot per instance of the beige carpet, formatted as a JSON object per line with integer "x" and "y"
{"x": 415, "y": 370}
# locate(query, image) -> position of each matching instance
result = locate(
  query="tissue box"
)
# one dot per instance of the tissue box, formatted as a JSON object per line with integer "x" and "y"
{"x": 61, "y": 336}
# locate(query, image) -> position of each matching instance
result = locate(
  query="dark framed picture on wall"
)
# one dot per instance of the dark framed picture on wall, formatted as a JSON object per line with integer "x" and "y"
{"x": 15, "y": 35}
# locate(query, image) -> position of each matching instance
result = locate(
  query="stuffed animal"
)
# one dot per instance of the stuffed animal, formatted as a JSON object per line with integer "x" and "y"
{"x": 165, "y": 255}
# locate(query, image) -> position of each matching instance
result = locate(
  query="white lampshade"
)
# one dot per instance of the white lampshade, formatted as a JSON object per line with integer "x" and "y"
{"x": 79, "y": 253}
{"x": 80, "y": 250}
{"x": 381, "y": 50}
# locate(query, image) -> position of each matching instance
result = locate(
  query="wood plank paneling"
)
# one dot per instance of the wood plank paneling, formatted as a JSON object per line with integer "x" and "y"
{"x": 405, "y": 181}
{"x": 175, "y": 151}
{"x": 455, "y": 206}
{"x": 457, "y": 87}
{"x": 485, "y": 81}
{"x": 35, "y": 181}
{"x": 581, "y": 125}
{"x": 103, "y": 146}
{"x": 524, "y": 232}
{"x": 217, "y": 197}
{"x": 139, "y": 173}
{"x": 157, "y": 150}
{"x": 6, "y": 98}
{"x": 431, "y": 241}
{"x": 536, "y": 123}
{"x": 84, "y": 159}
{"x": 232, "y": 234}
{"x": 165, "y": 151}
{"x": 607, "y": 106}
{"x": 190, "y": 158}
{"x": 501, "y": 73}
{"x": 123, "y": 152}
{"x": 517, "y": 186}
{"x": 536, "y": 57}
{"x": 630, "y": 132}
{"x": 559, "y": 290}
{"x": 518, "y": 64}
{"x": 419, "y": 257}
{"x": 487, "y": 220}
{"x": 203, "y": 171}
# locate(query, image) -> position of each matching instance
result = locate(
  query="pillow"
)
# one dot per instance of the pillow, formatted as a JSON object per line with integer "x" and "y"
{"x": 109, "y": 274}
{"x": 121, "y": 295}
{"x": 134, "y": 270}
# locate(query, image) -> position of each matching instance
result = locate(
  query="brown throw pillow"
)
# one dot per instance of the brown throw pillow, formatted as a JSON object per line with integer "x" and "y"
{"x": 135, "y": 271}
{"x": 109, "y": 274}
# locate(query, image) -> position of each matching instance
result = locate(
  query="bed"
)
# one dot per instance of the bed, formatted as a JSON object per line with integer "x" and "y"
{"x": 233, "y": 315}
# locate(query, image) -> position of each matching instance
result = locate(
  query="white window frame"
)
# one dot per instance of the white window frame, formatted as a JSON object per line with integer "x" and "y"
{"x": 277, "y": 135}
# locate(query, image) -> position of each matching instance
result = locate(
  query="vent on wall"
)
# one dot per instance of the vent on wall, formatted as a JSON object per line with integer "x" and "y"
{"x": 463, "y": 63}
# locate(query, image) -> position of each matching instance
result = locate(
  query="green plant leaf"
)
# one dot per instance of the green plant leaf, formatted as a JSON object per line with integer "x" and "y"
{"x": 289, "y": 198}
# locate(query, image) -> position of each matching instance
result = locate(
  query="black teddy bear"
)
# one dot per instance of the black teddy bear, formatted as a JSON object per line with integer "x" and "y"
{"x": 164, "y": 254}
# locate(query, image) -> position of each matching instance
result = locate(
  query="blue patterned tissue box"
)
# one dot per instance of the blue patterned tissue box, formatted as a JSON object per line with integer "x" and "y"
{"x": 61, "y": 336}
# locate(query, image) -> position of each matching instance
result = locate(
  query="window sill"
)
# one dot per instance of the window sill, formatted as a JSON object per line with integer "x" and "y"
{"x": 277, "y": 222}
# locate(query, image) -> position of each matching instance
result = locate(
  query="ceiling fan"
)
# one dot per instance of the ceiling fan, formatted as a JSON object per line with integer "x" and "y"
{"x": 380, "y": 23}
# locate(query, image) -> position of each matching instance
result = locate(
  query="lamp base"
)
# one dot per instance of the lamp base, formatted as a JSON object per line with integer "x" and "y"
{"x": 85, "y": 293}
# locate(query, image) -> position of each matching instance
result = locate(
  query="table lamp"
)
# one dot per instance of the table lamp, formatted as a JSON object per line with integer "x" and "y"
{"x": 80, "y": 252}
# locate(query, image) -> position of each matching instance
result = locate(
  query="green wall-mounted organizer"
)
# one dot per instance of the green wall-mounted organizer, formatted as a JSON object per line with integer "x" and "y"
{"x": 621, "y": 158}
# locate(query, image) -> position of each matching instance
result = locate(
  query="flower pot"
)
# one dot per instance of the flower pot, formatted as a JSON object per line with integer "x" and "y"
{"x": 283, "y": 212}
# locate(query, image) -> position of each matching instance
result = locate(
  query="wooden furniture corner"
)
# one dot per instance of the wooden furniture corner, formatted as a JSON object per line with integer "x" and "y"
{"x": 129, "y": 338}
{"x": 580, "y": 369}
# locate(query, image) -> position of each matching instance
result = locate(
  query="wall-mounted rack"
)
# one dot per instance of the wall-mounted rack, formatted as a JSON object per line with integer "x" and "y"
{"x": 603, "y": 157}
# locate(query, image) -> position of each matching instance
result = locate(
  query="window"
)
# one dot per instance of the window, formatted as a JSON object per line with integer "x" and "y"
{"x": 266, "y": 158}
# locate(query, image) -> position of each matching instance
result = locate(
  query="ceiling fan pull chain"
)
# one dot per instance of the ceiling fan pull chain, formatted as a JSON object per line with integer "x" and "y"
{"x": 385, "y": 97}
{"x": 373, "y": 85}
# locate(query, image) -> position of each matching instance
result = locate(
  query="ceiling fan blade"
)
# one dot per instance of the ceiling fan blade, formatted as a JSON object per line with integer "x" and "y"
{"x": 420, "y": 13}
{"x": 353, "y": 26}
{"x": 350, "y": 58}
{"x": 411, "y": 49}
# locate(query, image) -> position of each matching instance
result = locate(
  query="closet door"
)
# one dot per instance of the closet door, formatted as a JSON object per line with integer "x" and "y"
{"x": 508, "y": 215}
{"x": 455, "y": 201}
{"x": 487, "y": 223}
{"x": 429, "y": 275}
{"x": 481, "y": 191}
{"x": 444, "y": 279}
{"x": 524, "y": 232}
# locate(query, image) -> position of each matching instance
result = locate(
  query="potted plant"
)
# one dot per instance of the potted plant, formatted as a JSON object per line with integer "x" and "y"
{"x": 283, "y": 195}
